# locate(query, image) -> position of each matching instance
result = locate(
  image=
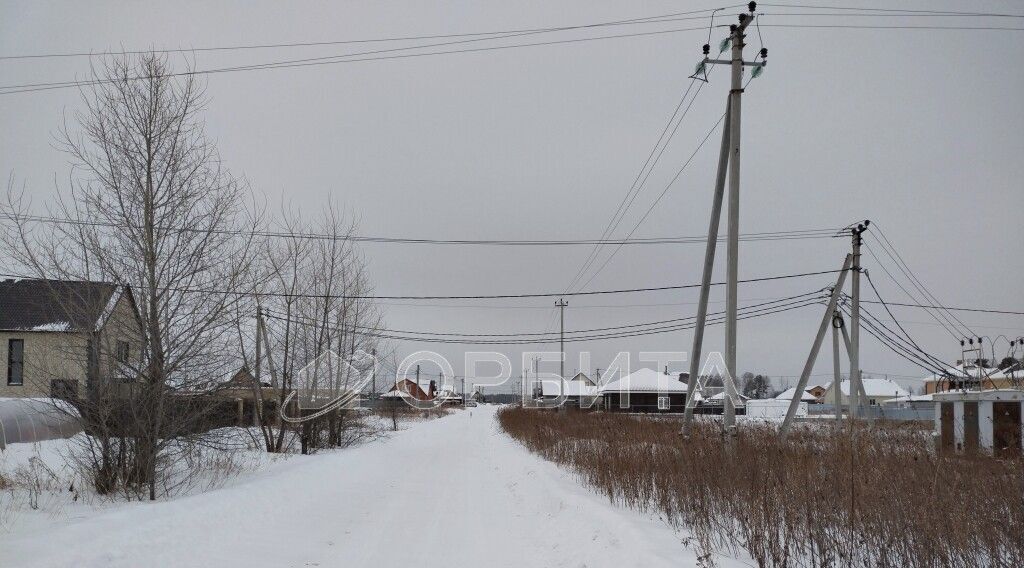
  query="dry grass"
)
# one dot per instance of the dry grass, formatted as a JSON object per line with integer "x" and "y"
{"x": 870, "y": 496}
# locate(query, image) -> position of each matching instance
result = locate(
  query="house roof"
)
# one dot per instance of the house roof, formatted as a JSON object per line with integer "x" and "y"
{"x": 876, "y": 387}
{"x": 423, "y": 385}
{"x": 581, "y": 376}
{"x": 721, "y": 396}
{"x": 56, "y": 305}
{"x": 645, "y": 380}
{"x": 789, "y": 393}
{"x": 911, "y": 398}
{"x": 567, "y": 388}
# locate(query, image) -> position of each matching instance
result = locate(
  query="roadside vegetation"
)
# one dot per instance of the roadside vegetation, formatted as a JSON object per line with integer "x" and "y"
{"x": 875, "y": 495}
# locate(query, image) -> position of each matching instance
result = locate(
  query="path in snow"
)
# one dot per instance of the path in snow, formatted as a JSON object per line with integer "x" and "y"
{"x": 449, "y": 492}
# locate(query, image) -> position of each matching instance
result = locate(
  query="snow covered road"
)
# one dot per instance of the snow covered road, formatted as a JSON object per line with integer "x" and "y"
{"x": 450, "y": 492}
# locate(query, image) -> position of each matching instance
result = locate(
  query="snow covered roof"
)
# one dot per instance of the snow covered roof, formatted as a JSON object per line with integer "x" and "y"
{"x": 581, "y": 376}
{"x": 55, "y": 305}
{"x": 910, "y": 398}
{"x": 789, "y": 393}
{"x": 877, "y": 387}
{"x": 721, "y": 396}
{"x": 568, "y": 388}
{"x": 645, "y": 380}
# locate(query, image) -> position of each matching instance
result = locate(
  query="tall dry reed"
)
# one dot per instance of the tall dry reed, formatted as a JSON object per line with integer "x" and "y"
{"x": 874, "y": 495}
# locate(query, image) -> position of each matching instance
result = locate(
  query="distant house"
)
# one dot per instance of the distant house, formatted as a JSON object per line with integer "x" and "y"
{"x": 58, "y": 336}
{"x": 919, "y": 401}
{"x": 645, "y": 390}
{"x": 877, "y": 390}
{"x": 719, "y": 399}
{"x": 583, "y": 378}
{"x": 578, "y": 393}
{"x": 409, "y": 388}
{"x": 447, "y": 395}
{"x": 805, "y": 396}
{"x": 818, "y": 392}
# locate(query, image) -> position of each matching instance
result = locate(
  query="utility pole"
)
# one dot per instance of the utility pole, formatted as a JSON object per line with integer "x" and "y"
{"x": 855, "y": 382}
{"x": 837, "y": 323}
{"x": 733, "y": 243}
{"x": 816, "y": 346}
{"x": 373, "y": 385}
{"x": 561, "y": 303}
{"x": 729, "y": 161}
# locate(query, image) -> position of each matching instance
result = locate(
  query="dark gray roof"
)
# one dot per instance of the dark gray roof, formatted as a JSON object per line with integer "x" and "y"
{"x": 53, "y": 305}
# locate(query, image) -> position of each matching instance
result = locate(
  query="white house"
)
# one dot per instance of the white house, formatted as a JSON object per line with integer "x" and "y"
{"x": 789, "y": 393}
{"x": 877, "y": 390}
{"x": 578, "y": 393}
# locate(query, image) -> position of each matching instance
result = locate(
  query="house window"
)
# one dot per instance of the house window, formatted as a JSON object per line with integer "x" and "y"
{"x": 123, "y": 351}
{"x": 663, "y": 403}
{"x": 15, "y": 362}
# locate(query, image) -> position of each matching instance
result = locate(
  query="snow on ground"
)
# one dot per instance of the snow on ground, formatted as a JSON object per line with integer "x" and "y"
{"x": 454, "y": 491}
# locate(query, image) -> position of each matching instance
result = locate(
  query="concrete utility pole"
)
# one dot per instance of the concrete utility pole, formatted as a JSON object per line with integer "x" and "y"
{"x": 816, "y": 346}
{"x": 729, "y": 160}
{"x": 855, "y": 383}
{"x": 837, "y": 323}
{"x": 561, "y": 303}
{"x": 733, "y": 243}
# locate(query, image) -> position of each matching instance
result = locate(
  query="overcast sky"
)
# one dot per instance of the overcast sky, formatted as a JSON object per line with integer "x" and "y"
{"x": 918, "y": 130}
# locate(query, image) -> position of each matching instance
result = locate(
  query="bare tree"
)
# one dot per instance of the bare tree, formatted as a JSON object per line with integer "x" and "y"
{"x": 313, "y": 302}
{"x": 149, "y": 206}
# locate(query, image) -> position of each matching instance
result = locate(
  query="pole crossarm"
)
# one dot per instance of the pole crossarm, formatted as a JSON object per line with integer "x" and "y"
{"x": 729, "y": 62}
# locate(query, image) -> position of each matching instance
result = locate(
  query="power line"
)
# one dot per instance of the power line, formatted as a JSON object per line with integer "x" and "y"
{"x": 902, "y": 27}
{"x": 671, "y": 17}
{"x": 656, "y": 201}
{"x": 554, "y": 338}
{"x": 939, "y": 317}
{"x": 906, "y": 341}
{"x": 613, "y": 223}
{"x": 889, "y": 10}
{"x": 889, "y": 343}
{"x": 662, "y": 194}
{"x": 798, "y": 298}
{"x": 342, "y": 58}
{"x": 956, "y": 309}
{"x": 757, "y": 236}
{"x": 467, "y": 297}
{"x": 914, "y": 280}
